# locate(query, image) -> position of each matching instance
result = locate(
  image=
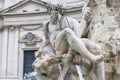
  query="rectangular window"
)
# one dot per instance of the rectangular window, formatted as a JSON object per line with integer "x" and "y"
{"x": 28, "y": 71}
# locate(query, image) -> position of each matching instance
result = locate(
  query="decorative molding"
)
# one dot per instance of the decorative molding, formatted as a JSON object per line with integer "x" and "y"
{"x": 30, "y": 39}
{"x": 1, "y": 27}
{"x": 12, "y": 28}
{"x": 6, "y": 11}
{"x": 4, "y": 27}
{"x": 32, "y": 28}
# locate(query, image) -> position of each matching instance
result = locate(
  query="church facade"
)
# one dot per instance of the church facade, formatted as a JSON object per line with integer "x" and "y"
{"x": 21, "y": 34}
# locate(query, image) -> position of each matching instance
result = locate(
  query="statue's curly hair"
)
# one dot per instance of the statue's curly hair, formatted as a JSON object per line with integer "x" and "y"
{"x": 55, "y": 7}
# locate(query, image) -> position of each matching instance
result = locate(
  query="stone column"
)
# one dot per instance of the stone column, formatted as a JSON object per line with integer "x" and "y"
{"x": 11, "y": 48}
{"x": 4, "y": 54}
{"x": 16, "y": 51}
{"x": 0, "y": 48}
{"x": 12, "y": 68}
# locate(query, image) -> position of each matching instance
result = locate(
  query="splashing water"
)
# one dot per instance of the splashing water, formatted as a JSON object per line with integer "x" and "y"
{"x": 61, "y": 75}
{"x": 79, "y": 72}
{"x": 31, "y": 76}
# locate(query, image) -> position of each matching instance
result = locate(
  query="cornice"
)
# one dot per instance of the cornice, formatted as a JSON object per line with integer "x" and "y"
{"x": 22, "y": 13}
{"x": 6, "y": 12}
{"x": 66, "y": 10}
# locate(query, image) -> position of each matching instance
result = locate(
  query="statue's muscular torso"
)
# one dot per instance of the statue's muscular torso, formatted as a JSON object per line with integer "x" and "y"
{"x": 53, "y": 30}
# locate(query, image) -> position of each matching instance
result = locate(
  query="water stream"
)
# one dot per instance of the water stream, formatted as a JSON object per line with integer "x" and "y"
{"x": 61, "y": 75}
{"x": 79, "y": 72}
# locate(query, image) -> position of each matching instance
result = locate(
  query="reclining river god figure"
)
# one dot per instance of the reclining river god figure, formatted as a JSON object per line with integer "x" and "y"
{"x": 64, "y": 36}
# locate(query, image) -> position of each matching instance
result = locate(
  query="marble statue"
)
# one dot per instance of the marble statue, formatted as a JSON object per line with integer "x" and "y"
{"x": 64, "y": 36}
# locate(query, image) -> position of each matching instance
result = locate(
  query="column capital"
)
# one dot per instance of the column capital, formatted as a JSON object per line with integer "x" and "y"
{"x": 2, "y": 27}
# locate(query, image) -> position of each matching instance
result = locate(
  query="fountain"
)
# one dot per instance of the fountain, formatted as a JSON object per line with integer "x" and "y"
{"x": 64, "y": 53}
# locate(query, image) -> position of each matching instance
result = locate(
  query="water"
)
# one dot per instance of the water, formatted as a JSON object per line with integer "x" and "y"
{"x": 79, "y": 72}
{"x": 30, "y": 76}
{"x": 61, "y": 75}
{"x": 36, "y": 76}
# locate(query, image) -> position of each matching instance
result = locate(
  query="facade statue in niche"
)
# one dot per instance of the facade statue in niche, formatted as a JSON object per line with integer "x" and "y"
{"x": 64, "y": 37}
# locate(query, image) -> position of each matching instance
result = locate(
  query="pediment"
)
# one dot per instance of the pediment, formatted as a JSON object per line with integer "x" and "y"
{"x": 27, "y": 6}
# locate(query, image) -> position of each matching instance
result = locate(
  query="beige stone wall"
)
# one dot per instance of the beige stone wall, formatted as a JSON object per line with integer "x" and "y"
{"x": 117, "y": 11}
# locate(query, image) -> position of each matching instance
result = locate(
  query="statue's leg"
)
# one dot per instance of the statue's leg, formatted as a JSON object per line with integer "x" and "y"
{"x": 78, "y": 45}
{"x": 92, "y": 46}
{"x": 99, "y": 72}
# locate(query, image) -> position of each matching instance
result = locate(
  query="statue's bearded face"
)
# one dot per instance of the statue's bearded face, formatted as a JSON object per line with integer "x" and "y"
{"x": 54, "y": 16}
